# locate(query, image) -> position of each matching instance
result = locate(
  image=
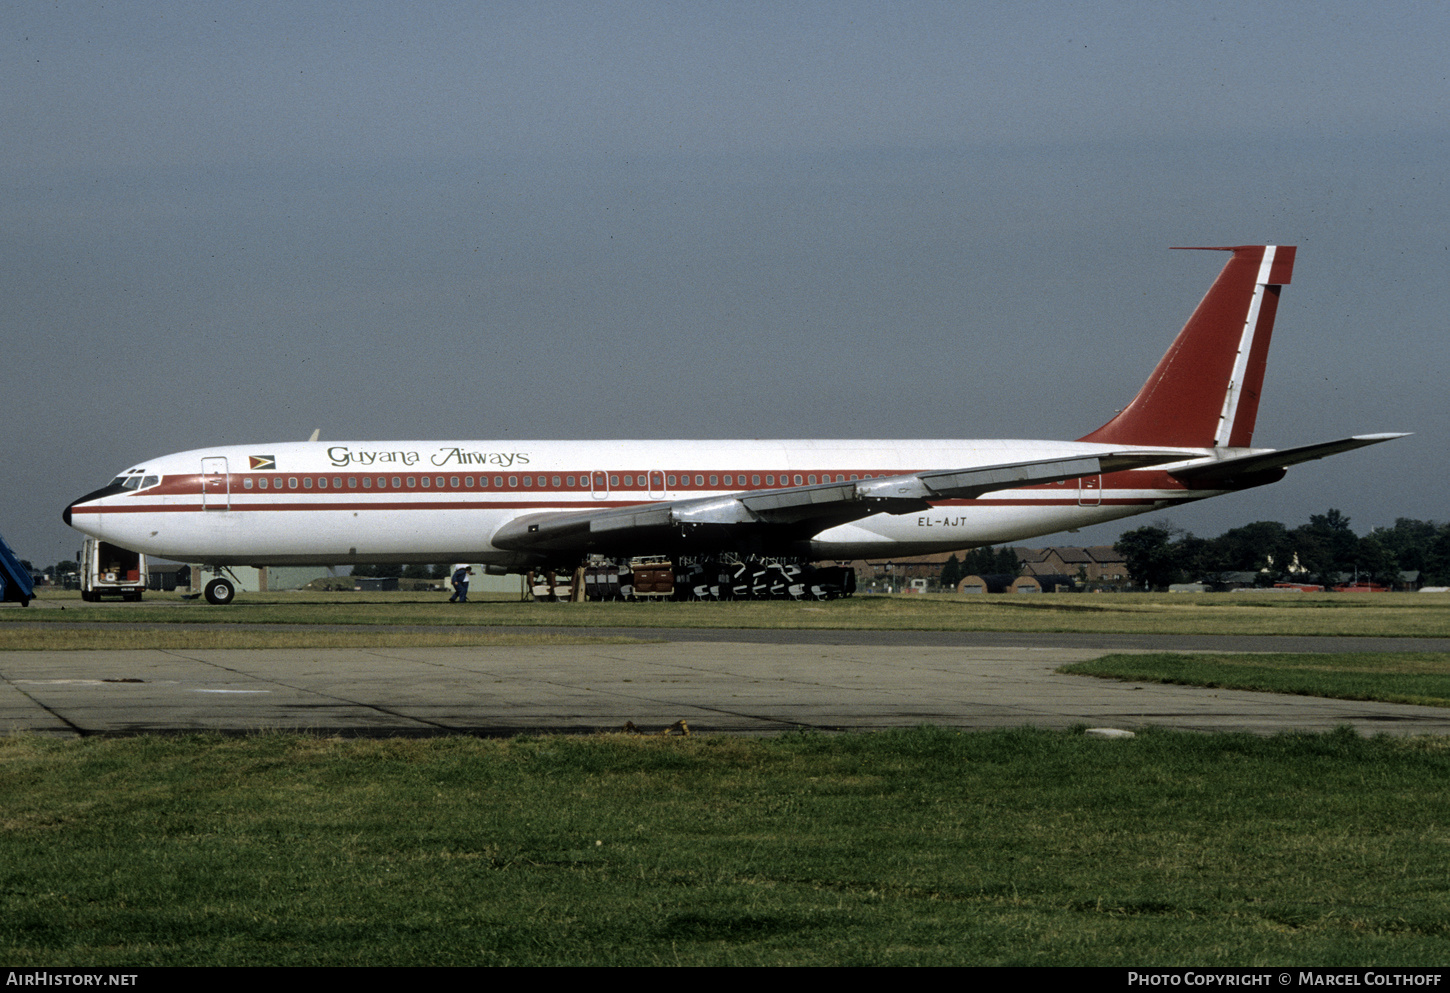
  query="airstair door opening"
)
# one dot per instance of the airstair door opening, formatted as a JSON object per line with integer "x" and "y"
{"x": 216, "y": 484}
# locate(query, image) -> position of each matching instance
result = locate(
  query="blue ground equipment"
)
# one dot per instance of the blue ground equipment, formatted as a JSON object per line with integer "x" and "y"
{"x": 15, "y": 581}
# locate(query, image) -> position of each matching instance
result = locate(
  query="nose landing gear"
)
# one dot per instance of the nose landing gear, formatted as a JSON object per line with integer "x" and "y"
{"x": 220, "y": 591}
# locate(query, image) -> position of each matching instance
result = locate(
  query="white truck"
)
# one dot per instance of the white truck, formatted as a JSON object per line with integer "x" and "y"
{"x": 110, "y": 570}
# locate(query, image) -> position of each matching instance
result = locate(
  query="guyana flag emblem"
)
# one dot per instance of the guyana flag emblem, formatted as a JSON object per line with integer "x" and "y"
{"x": 263, "y": 461}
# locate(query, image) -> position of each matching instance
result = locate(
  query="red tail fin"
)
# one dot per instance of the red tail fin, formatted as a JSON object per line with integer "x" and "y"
{"x": 1205, "y": 391}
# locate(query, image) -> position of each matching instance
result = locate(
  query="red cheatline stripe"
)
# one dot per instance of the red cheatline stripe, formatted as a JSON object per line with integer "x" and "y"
{"x": 593, "y": 505}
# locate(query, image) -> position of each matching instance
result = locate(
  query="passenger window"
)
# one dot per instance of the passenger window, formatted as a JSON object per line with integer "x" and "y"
{"x": 291, "y": 482}
{"x": 307, "y": 482}
{"x": 247, "y": 483}
{"x": 452, "y": 481}
{"x": 352, "y": 482}
{"x": 513, "y": 482}
{"x": 337, "y": 482}
{"x": 262, "y": 483}
{"x": 498, "y": 481}
{"x": 397, "y": 483}
{"x": 699, "y": 480}
{"x": 754, "y": 480}
{"x": 427, "y": 482}
{"x": 367, "y": 482}
{"x": 671, "y": 481}
{"x": 322, "y": 482}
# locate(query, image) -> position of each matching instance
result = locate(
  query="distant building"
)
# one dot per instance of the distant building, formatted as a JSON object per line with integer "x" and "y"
{"x": 1097, "y": 563}
{"x": 899, "y": 572}
{"x": 999, "y": 583}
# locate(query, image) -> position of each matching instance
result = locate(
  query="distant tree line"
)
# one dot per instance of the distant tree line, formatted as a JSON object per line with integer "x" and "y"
{"x": 984, "y": 561}
{"x": 55, "y": 572}
{"x": 1321, "y": 551}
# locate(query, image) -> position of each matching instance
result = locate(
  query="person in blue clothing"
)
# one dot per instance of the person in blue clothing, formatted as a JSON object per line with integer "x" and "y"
{"x": 460, "y": 585}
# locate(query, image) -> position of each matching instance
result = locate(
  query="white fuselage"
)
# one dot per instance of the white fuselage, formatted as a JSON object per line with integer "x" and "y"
{"x": 514, "y": 505}
{"x": 335, "y": 503}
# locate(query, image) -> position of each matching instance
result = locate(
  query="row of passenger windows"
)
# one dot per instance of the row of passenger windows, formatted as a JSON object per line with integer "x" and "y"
{"x": 626, "y": 481}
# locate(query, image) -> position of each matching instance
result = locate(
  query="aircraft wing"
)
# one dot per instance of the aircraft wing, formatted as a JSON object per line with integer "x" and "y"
{"x": 1227, "y": 471}
{"x": 798, "y": 510}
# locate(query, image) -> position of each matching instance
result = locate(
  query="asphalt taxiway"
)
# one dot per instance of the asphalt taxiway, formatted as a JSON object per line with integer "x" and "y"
{"x": 717, "y": 681}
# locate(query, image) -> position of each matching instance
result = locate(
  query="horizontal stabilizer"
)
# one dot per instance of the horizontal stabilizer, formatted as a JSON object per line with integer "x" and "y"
{"x": 1227, "y": 470}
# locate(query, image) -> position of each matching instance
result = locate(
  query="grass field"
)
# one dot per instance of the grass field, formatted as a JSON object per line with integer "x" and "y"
{"x": 922, "y": 847}
{"x": 1335, "y": 614}
{"x": 1392, "y": 677}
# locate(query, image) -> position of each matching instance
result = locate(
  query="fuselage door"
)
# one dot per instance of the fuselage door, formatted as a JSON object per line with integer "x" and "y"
{"x": 656, "y": 486}
{"x": 1090, "y": 491}
{"x": 599, "y": 483}
{"x": 216, "y": 484}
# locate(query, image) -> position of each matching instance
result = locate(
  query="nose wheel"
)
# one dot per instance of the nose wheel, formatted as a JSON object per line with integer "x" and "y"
{"x": 220, "y": 591}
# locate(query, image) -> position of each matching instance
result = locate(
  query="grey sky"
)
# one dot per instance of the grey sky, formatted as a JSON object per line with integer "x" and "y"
{"x": 232, "y": 223}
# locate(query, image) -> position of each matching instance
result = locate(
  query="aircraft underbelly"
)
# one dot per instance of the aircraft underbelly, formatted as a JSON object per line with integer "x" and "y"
{"x": 948, "y": 527}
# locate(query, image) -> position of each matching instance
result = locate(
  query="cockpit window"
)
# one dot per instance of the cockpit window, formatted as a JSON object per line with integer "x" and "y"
{"x": 135, "y": 482}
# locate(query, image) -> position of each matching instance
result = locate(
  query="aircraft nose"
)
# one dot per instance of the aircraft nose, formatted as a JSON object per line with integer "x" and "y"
{"x": 104, "y": 491}
{"x": 65, "y": 515}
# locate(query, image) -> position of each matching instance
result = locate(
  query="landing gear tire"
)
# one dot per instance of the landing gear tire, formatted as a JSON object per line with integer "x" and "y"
{"x": 220, "y": 591}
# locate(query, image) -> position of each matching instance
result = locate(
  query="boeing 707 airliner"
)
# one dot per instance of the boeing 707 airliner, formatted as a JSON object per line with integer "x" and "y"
{"x": 520, "y": 505}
